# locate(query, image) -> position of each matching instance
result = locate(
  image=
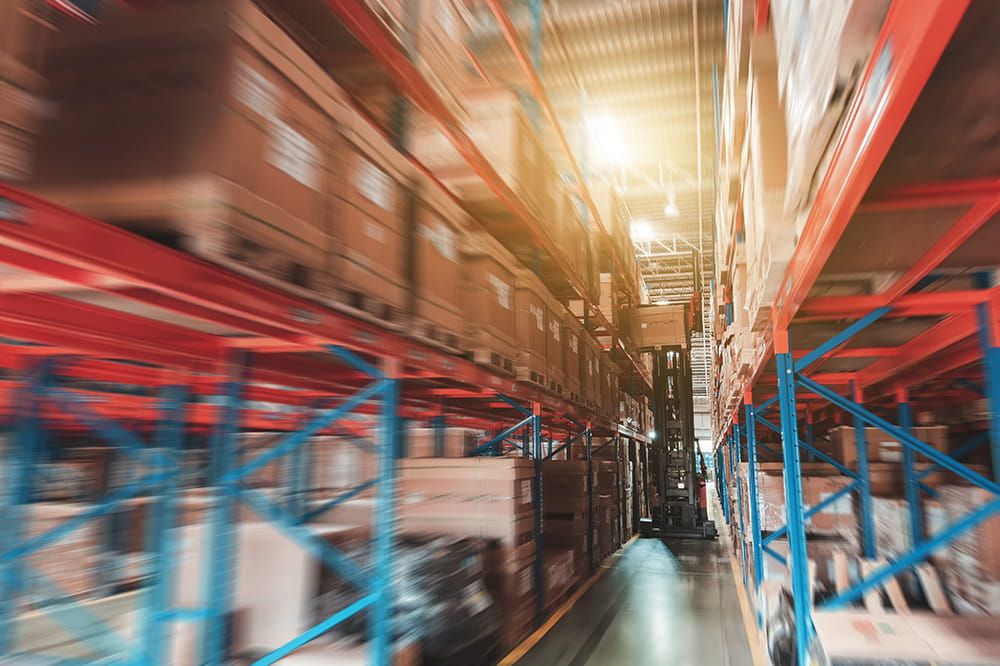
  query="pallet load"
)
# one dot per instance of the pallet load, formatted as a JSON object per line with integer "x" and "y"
{"x": 655, "y": 326}
{"x": 555, "y": 316}
{"x": 499, "y": 127}
{"x": 590, "y": 372}
{"x": 530, "y": 307}
{"x": 487, "y": 298}
{"x": 422, "y": 442}
{"x": 564, "y": 493}
{"x": 25, "y": 26}
{"x": 436, "y": 255}
{"x": 185, "y": 125}
{"x": 572, "y": 344}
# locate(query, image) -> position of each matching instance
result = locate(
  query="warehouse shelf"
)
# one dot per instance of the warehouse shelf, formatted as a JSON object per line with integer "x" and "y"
{"x": 114, "y": 329}
{"x": 368, "y": 29}
{"x": 883, "y": 208}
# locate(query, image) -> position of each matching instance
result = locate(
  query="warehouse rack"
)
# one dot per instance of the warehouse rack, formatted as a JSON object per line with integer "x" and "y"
{"x": 905, "y": 340}
{"x": 212, "y": 349}
{"x": 366, "y": 27}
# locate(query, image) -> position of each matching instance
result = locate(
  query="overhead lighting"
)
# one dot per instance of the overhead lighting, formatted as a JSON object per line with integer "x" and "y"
{"x": 641, "y": 230}
{"x": 607, "y": 139}
{"x": 651, "y": 434}
{"x": 670, "y": 209}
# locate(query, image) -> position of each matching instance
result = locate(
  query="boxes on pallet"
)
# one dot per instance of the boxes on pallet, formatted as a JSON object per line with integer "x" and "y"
{"x": 837, "y": 518}
{"x": 498, "y": 126}
{"x": 441, "y": 27}
{"x": 530, "y": 311}
{"x": 233, "y": 165}
{"x": 655, "y": 326}
{"x": 423, "y": 442}
{"x": 25, "y": 28}
{"x": 590, "y": 371}
{"x": 555, "y": 372}
{"x": 770, "y": 235}
{"x": 883, "y": 447}
{"x": 571, "y": 335}
{"x": 436, "y": 254}
{"x": 487, "y": 298}
{"x": 822, "y": 51}
{"x": 69, "y": 567}
{"x": 369, "y": 227}
{"x": 971, "y": 563}
{"x": 608, "y": 381}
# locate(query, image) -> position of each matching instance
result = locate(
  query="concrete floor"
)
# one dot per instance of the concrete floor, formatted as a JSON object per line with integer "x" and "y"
{"x": 665, "y": 602}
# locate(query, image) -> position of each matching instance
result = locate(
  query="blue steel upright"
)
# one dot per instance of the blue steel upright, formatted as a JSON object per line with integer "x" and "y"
{"x": 380, "y": 620}
{"x": 755, "y": 535}
{"x": 911, "y": 485}
{"x": 536, "y": 451}
{"x": 990, "y": 345}
{"x": 16, "y": 490}
{"x": 219, "y": 563}
{"x": 161, "y": 521}
{"x": 865, "y": 503}
{"x": 798, "y": 561}
{"x": 739, "y": 498}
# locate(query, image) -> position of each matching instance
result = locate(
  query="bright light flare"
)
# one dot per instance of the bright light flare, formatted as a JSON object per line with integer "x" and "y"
{"x": 641, "y": 230}
{"x": 607, "y": 139}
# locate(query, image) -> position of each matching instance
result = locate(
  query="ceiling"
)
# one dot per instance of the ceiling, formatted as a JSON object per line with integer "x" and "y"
{"x": 646, "y": 69}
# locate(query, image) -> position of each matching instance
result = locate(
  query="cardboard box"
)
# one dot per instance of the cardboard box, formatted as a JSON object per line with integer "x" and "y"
{"x": 456, "y": 442}
{"x": 555, "y": 316}
{"x": 571, "y": 334}
{"x": 487, "y": 296}
{"x": 655, "y": 326}
{"x": 530, "y": 302}
{"x": 436, "y": 255}
{"x": 882, "y": 447}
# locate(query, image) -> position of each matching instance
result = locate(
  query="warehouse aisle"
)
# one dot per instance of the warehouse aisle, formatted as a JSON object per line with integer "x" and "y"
{"x": 670, "y": 602}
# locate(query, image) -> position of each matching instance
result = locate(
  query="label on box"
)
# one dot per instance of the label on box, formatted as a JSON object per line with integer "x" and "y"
{"x": 554, "y": 328}
{"x": 574, "y": 343}
{"x": 526, "y": 496}
{"x": 842, "y": 507}
{"x": 255, "y": 91}
{"x": 375, "y": 231}
{"x": 501, "y": 289}
{"x": 442, "y": 237}
{"x": 295, "y": 155}
{"x": 890, "y": 452}
{"x": 525, "y": 581}
{"x": 539, "y": 316}
{"x": 375, "y": 185}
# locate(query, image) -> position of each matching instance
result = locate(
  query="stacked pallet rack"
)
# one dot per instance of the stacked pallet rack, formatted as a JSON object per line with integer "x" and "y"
{"x": 925, "y": 337}
{"x": 182, "y": 328}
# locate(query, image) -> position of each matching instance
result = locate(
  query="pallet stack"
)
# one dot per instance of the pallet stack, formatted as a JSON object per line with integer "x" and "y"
{"x": 564, "y": 492}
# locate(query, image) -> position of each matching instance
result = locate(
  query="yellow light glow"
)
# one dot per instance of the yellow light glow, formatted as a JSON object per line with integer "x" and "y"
{"x": 607, "y": 140}
{"x": 641, "y": 230}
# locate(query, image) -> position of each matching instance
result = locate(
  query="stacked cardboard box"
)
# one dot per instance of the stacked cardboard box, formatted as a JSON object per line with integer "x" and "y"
{"x": 882, "y": 447}
{"x": 24, "y": 30}
{"x": 555, "y": 317}
{"x": 488, "y": 301}
{"x": 970, "y": 565}
{"x": 564, "y": 493}
{"x": 531, "y": 299}
{"x": 590, "y": 372}
{"x": 654, "y": 326}
{"x": 572, "y": 334}
{"x": 437, "y": 239}
{"x": 499, "y": 128}
{"x": 454, "y": 442}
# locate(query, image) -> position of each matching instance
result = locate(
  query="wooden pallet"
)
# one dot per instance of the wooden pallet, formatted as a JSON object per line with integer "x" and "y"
{"x": 433, "y": 334}
{"x": 493, "y": 359}
{"x": 526, "y": 374}
{"x": 366, "y": 306}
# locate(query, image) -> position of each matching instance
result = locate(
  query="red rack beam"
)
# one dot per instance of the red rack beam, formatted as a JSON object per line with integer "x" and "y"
{"x": 932, "y": 195}
{"x": 906, "y": 52}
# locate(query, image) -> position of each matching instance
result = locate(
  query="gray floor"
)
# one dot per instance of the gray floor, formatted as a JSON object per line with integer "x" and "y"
{"x": 669, "y": 603}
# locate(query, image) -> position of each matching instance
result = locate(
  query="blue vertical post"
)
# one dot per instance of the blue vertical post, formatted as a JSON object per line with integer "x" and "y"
{"x": 739, "y": 497}
{"x": 161, "y": 521}
{"x": 798, "y": 560}
{"x": 16, "y": 491}
{"x": 380, "y": 627}
{"x": 755, "y": 534}
{"x": 219, "y": 562}
{"x": 437, "y": 422}
{"x": 723, "y": 495}
{"x": 591, "y": 563}
{"x": 298, "y": 478}
{"x": 810, "y": 436}
{"x": 536, "y": 451}
{"x": 989, "y": 340}
{"x": 911, "y": 487}
{"x": 864, "y": 482}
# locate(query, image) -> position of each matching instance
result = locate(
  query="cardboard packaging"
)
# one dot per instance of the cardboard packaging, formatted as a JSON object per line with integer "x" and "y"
{"x": 456, "y": 442}
{"x": 530, "y": 299}
{"x": 555, "y": 315}
{"x": 571, "y": 335}
{"x": 488, "y": 301}
{"x": 882, "y": 447}
{"x": 655, "y": 326}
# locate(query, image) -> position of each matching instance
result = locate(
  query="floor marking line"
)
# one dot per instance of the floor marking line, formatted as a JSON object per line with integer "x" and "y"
{"x": 518, "y": 652}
